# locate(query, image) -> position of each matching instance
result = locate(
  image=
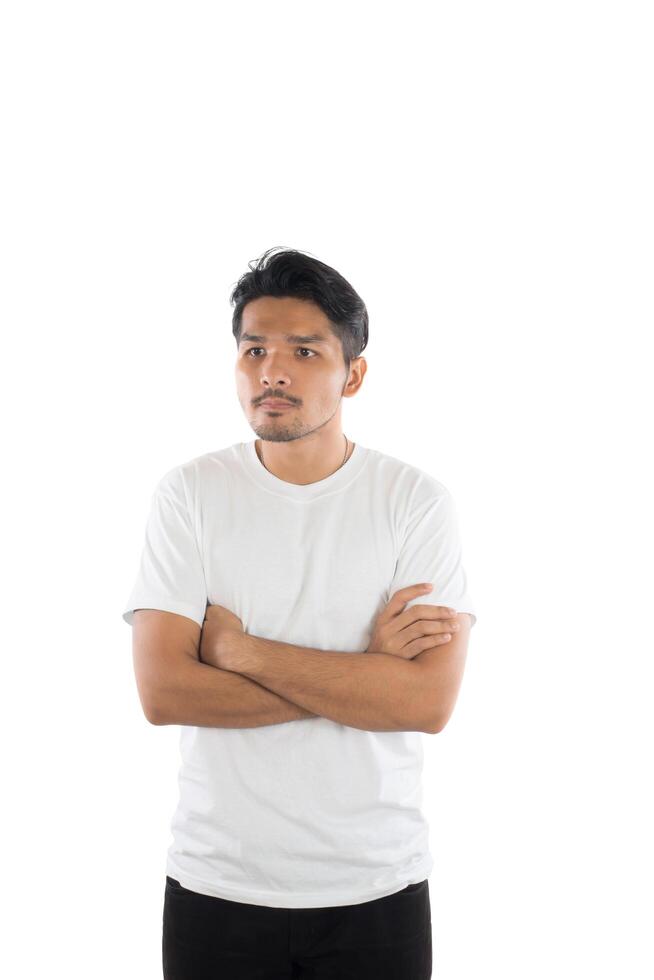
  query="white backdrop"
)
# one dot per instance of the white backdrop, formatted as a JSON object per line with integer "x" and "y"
{"x": 481, "y": 173}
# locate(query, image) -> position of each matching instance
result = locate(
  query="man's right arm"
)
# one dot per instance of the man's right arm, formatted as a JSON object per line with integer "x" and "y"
{"x": 176, "y": 688}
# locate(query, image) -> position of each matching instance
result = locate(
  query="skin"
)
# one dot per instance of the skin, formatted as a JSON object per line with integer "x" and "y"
{"x": 305, "y": 443}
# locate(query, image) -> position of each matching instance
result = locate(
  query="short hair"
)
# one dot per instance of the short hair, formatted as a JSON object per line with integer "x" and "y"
{"x": 292, "y": 273}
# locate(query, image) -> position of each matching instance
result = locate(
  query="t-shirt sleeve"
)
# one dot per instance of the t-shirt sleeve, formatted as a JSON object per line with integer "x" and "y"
{"x": 170, "y": 574}
{"x": 431, "y": 552}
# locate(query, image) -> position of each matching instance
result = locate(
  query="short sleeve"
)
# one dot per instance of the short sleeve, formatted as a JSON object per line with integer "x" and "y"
{"x": 431, "y": 552}
{"x": 170, "y": 575}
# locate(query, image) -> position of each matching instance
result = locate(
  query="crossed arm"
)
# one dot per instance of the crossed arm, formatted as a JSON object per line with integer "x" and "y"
{"x": 370, "y": 691}
{"x": 267, "y": 682}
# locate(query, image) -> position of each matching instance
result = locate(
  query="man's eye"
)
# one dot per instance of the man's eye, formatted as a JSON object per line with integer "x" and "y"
{"x": 250, "y": 349}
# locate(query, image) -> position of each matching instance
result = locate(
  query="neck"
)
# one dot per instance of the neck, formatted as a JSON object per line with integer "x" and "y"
{"x": 303, "y": 461}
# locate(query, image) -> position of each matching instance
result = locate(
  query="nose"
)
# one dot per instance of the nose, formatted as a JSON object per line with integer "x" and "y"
{"x": 271, "y": 377}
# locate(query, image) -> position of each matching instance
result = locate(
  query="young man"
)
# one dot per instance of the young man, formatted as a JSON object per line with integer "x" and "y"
{"x": 302, "y": 612}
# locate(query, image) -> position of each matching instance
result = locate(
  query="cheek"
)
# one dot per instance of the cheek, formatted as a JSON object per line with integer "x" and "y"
{"x": 243, "y": 380}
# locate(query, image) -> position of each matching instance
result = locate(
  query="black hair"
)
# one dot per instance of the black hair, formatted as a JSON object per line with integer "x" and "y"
{"x": 297, "y": 274}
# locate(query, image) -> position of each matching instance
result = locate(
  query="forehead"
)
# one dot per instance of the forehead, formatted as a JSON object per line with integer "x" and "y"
{"x": 296, "y": 320}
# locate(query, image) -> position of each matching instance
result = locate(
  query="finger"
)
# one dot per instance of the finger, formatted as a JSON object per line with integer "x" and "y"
{"x": 400, "y": 598}
{"x": 423, "y": 612}
{"x": 431, "y": 627}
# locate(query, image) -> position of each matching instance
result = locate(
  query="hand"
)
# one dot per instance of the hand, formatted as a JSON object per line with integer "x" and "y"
{"x": 222, "y": 630}
{"x": 406, "y": 634}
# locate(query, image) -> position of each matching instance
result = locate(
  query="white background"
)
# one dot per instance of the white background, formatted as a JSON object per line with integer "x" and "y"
{"x": 482, "y": 175}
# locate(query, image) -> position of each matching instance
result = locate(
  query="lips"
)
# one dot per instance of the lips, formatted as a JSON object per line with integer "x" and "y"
{"x": 276, "y": 403}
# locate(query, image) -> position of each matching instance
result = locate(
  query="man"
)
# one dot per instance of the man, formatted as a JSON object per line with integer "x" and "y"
{"x": 302, "y": 612}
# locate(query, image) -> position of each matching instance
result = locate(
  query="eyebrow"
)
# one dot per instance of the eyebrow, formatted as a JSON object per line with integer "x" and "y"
{"x": 291, "y": 338}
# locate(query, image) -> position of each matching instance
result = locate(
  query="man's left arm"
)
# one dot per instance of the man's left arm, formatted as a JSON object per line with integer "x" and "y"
{"x": 442, "y": 669}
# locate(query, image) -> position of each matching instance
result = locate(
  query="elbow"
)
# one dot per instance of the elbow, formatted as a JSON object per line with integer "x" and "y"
{"x": 429, "y": 721}
{"x": 154, "y": 719}
{"x": 439, "y": 724}
{"x": 436, "y": 719}
{"x": 153, "y": 712}
{"x": 428, "y": 726}
{"x": 435, "y": 725}
{"x": 433, "y": 729}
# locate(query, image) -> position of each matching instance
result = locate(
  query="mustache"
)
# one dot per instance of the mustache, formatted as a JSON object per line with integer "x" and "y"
{"x": 266, "y": 398}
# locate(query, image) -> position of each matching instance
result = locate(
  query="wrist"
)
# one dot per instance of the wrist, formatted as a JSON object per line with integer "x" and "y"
{"x": 242, "y": 652}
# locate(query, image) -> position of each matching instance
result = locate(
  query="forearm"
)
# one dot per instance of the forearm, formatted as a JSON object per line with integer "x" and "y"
{"x": 375, "y": 692}
{"x": 206, "y": 696}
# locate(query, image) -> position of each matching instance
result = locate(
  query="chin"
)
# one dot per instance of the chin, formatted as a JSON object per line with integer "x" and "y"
{"x": 276, "y": 433}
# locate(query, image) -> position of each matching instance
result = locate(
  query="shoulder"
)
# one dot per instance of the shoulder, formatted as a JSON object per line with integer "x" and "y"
{"x": 188, "y": 479}
{"x": 413, "y": 483}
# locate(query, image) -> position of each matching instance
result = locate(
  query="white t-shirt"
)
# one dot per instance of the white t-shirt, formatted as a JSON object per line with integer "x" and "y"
{"x": 307, "y": 813}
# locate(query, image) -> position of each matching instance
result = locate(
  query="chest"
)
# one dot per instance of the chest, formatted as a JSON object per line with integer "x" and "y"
{"x": 313, "y": 574}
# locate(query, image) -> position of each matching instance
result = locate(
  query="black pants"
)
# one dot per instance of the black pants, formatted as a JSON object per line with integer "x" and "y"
{"x": 207, "y": 938}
